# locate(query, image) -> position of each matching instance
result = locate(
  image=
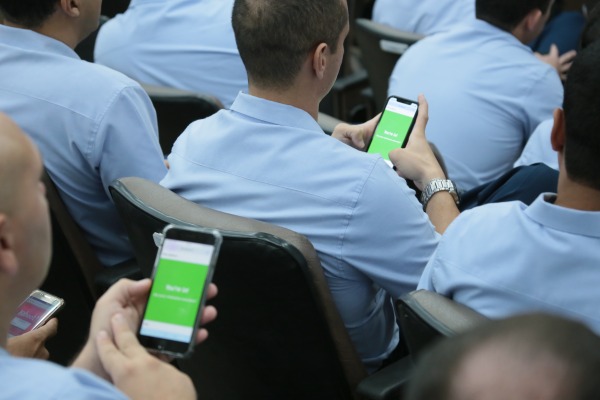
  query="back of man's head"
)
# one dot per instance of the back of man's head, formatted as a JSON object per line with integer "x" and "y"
{"x": 582, "y": 118}
{"x": 27, "y": 13}
{"x": 531, "y": 356}
{"x": 591, "y": 31}
{"x": 274, "y": 37}
{"x": 507, "y": 14}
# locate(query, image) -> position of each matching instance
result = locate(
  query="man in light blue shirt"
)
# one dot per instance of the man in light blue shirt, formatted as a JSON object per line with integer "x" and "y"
{"x": 487, "y": 90}
{"x": 185, "y": 44}
{"x": 267, "y": 158}
{"x": 112, "y": 364}
{"x": 92, "y": 124}
{"x": 507, "y": 258}
{"x": 425, "y": 16}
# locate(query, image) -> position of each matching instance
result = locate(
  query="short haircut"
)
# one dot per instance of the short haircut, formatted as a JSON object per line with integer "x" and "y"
{"x": 591, "y": 31}
{"x": 507, "y": 14}
{"x": 28, "y": 13}
{"x": 582, "y": 119}
{"x": 571, "y": 343}
{"x": 274, "y": 37}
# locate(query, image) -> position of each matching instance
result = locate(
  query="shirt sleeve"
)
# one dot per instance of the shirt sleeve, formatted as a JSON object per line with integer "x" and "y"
{"x": 389, "y": 238}
{"x": 127, "y": 139}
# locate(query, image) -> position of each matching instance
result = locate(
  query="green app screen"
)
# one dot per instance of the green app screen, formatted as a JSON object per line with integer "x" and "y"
{"x": 177, "y": 290}
{"x": 393, "y": 128}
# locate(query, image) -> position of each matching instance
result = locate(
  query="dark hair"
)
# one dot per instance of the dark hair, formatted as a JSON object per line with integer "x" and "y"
{"x": 28, "y": 13}
{"x": 574, "y": 345}
{"x": 275, "y": 36}
{"x": 591, "y": 31}
{"x": 582, "y": 119}
{"x": 507, "y": 14}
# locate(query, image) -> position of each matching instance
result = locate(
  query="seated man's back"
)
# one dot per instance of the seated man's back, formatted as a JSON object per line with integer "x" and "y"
{"x": 272, "y": 162}
{"x": 487, "y": 93}
{"x": 91, "y": 124}
{"x": 425, "y": 17}
{"x": 506, "y": 258}
{"x": 185, "y": 44}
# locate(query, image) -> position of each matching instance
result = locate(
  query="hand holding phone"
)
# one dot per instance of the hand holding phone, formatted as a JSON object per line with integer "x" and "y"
{"x": 394, "y": 127}
{"x": 182, "y": 272}
{"x": 34, "y": 312}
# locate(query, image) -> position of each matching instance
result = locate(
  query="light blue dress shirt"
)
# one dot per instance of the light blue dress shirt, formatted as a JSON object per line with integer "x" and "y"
{"x": 424, "y": 16}
{"x": 26, "y": 378}
{"x": 487, "y": 92}
{"x": 539, "y": 147}
{"x": 185, "y": 44}
{"x": 505, "y": 258}
{"x": 91, "y": 124}
{"x": 272, "y": 162}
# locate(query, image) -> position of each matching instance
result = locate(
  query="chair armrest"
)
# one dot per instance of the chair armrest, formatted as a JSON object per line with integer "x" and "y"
{"x": 388, "y": 382}
{"x": 328, "y": 123}
{"x": 110, "y": 275}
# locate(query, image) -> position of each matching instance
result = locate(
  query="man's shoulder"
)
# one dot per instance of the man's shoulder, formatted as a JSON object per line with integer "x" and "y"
{"x": 29, "y": 378}
{"x": 485, "y": 219}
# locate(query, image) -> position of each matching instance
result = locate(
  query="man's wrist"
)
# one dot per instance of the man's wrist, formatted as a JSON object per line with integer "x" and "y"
{"x": 437, "y": 185}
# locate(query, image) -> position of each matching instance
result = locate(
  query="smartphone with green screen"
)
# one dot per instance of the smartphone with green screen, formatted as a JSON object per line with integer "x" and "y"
{"x": 394, "y": 127}
{"x": 182, "y": 272}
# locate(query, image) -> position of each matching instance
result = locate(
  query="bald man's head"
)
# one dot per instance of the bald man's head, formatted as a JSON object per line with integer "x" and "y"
{"x": 17, "y": 155}
{"x": 25, "y": 236}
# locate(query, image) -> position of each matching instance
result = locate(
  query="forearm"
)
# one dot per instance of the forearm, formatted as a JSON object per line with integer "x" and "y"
{"x": 88, "y": 359}
{"x": 442, "y": 210}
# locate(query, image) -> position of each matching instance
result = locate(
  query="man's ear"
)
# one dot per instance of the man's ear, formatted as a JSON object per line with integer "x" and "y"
{"x": 532, "y": 20}
{"x": 8, "y": 259}
{"x": 557, "y": 137}
{"x": 71, "y": 7}
{"x": 319, "y": 60}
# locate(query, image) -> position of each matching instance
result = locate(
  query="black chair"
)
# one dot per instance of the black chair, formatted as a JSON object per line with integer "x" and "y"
{"x": 381, "y": 47}
{"x": 426, "y": 316}
{"x": 76, "y": 275}
{"x": 85, "y": 49}
{"x": 176, "y": 109}
{"x": 278, "y": 334}
{"x": 114, "y": 7}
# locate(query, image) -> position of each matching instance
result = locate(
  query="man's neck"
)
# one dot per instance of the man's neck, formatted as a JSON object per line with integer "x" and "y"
{"x": 49, "y": 29}
{"x": 576, "y": 196}
{"x": 291, "y": 96}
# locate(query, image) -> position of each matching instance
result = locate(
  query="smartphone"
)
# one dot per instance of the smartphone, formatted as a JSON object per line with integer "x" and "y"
{"x": 394, "y": 127}
{"x": 34, "y": 312}
{"x": 182, "y": 272}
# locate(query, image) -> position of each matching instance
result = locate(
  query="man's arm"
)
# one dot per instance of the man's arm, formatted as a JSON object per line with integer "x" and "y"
{"x": 417, "y": 162}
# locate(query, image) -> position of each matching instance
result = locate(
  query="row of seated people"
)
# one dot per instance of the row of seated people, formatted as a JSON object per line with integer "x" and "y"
{"x": 251, "y": 160}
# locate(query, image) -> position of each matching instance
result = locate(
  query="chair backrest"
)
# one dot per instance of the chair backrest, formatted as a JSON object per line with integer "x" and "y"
{"x": 381, "y": 47}
{"x": 425, "y": 316}
{"x": 82, "y": 253}
{"x": 71, "y": 277}
{"x": 85, "y": 49}
{"x": 176, "y": 109}
{"x": 278, "y": 334}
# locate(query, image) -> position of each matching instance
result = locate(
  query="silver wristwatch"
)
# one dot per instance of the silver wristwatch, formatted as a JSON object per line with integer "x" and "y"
{"x": 438, "y": 185}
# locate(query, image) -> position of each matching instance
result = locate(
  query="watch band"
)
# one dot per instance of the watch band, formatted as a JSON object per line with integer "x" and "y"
{"x": 438, "y": 185}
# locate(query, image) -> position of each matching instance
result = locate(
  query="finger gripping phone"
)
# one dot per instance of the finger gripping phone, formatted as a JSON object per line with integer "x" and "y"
{"x": 34, "y": 312}
{"x": 182, "y": 272}
{"x": 394, "y": 127}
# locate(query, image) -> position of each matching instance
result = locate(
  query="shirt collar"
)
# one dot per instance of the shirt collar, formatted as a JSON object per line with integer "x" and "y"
{"x": 33, "y": 41}
{"x": 484, "y": 26}
{"x": 274, "y": 113}
{"x": 545, "y": 212}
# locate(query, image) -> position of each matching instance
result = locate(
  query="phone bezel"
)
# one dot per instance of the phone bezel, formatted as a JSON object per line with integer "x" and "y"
{"x": 55, "y": 303}
{"x": 410, "y": 128}
{"x": 192, "y": 234}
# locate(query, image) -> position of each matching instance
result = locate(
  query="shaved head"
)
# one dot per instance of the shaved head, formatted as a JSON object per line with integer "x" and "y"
{"x": 17, "y": 155}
